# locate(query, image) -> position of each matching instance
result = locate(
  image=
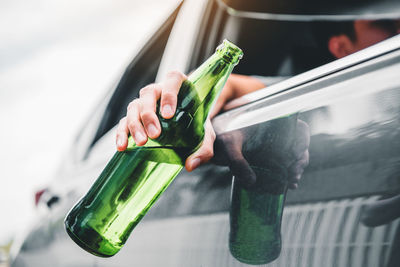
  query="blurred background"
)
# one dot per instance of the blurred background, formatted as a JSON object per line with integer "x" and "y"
{"x": 57, "y": 59}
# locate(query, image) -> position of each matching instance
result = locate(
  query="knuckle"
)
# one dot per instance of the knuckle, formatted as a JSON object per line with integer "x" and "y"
{"x": 143, "y": 91}
{"x": 175, "y": 74}
{"x": 147, "y": 114}
{"x": 213, "y": 136}
{"x": 120, "y": 135}
{"x": 168, "y": 95}
{"x": 146, "y": 90}
{"x": 147, "y": 107}
{"x": 208, "y": 152}
{"x": 131, "y": 126}
{"x": 132, "y": 104}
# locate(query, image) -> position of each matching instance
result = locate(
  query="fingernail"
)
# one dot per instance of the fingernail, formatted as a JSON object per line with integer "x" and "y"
{"x": 195, "y": 163}
{"x": 152, "y": 129}
{"x": 167, "y": 111}
{"x": 139, "y": 137}
{"x": 120, "y": 142}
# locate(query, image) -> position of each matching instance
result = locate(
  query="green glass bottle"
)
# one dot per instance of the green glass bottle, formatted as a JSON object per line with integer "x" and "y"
{"x": 256, "y": 214}
{"x": 133, "y": 180}
{"x": 256, "y": 210}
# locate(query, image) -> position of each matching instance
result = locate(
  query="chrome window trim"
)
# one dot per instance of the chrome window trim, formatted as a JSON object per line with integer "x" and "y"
{"x": 303, "y": 18}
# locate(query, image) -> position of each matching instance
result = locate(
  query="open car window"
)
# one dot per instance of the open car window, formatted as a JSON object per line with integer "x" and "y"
{"x": 279, "y": 46}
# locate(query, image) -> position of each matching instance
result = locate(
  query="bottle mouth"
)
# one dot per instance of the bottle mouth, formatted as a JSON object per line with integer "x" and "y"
{"x": 230, "y": 52}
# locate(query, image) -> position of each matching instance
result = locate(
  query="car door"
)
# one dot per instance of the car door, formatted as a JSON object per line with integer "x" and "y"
{"x": 345, "y": 210}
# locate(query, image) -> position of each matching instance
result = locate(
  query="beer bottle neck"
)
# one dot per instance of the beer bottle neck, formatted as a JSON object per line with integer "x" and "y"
{"x": 208, "y": 81}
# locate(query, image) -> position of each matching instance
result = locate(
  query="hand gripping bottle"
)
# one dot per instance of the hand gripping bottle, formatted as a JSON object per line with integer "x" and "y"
{"x": 134, "y": 179}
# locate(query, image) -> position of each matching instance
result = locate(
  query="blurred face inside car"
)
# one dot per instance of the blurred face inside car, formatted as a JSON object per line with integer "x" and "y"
{"x": 371, "y": 32}
{"x": 361, "y": 34}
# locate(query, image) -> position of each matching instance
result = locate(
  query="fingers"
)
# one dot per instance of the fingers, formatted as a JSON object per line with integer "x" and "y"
{"x": 240, "y": 168}
{"x": 242, "y": 171}
{"x": 141, "y": 120}
{"x": 134, "y": 124}
{"x": 206, "y": 150}
{"x": 302, "y": 141}
{"x": 300, "y": 153}
{"x": 122, "y": 135}
{"x": 297, "y": 169}
{"x": 169, "y": 94}
{"x": 147, "y": 110}
{"x": 381, "y": 212}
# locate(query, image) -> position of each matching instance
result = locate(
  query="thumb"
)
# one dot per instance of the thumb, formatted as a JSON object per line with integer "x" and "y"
{"x": 243, "y": 172}
{"x": 240, "y": 168}
{"x": 206, "y": 150}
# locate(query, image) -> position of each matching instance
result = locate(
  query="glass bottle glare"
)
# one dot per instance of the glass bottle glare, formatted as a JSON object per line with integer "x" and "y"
{"x": 134, "y": 179}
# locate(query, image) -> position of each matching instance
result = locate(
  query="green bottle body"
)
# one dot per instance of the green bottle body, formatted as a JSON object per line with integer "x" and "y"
{"x": 102, "y": 221}
{"x": 256, "y": 210}
{"x": 255, "y": 221}
{"x": 133, "y": 179}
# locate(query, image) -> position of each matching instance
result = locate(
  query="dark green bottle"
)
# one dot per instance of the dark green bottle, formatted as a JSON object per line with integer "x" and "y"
{"x": 256, "y": 214}
{"x": 134, "y": 179}
{"x": 256, "y": 210}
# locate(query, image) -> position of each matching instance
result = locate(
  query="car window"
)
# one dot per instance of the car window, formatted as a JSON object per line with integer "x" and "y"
{"x": 278, "y": 45}
{"x": 140, "y": 72}
{"x": 271, "y": 47}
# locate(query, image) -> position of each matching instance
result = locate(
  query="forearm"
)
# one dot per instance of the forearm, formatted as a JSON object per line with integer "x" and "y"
{"x": 236, "y": 86}
{"x": 241, "y": 85}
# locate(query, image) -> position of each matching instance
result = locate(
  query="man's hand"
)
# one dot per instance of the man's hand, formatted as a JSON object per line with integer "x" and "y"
{"x": 233, "y": 144}
{"x": 300, "y": 153}
{"x": 381, "y": 212}
{"x": 141, "y": 120}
